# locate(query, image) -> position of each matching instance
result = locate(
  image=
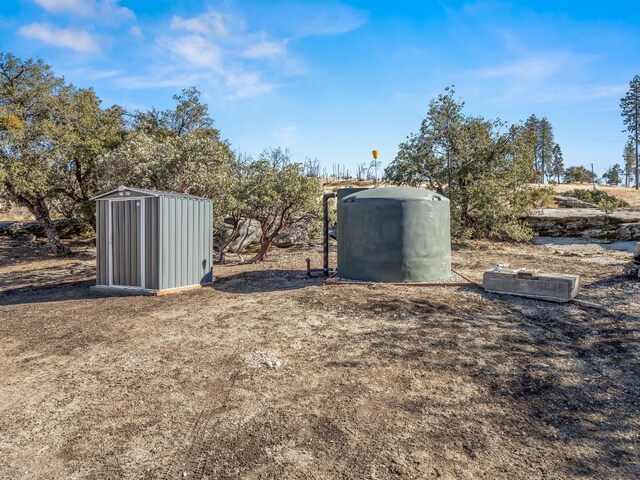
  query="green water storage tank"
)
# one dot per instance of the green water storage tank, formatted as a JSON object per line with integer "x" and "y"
{"x": 394, "y": 234}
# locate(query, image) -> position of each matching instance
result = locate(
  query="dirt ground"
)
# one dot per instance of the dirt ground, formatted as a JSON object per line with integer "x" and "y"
{"x": 270, "y": 375}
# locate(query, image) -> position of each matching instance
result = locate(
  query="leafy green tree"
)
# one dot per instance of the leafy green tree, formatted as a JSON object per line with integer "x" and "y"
{"x": 28, "y": 94}
{"x": 189, "y": 115}
{"x": 178, "y": 150}
{"x": 545, "y": 148}
{"x": 479, "y": 167}
{"x": 628, "y": 158}
{"x": 233, "y": 206}
{"x": 630, "y": 105}
{"x": 51, "y": 135}
{"x": 557, "y": 163}
{"x": 613, "y": 176}
{"x": 278, "y": 197}
{"x": 532, "y": 127}
{"x": 191, "y": 163}
{"x": 81, "y": 131}
{"x": 579, "y": 174}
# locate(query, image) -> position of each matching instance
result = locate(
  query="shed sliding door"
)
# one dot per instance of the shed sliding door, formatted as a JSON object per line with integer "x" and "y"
{"x": 126, "y": 260}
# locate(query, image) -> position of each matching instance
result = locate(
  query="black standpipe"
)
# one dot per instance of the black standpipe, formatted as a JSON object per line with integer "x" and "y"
{"x": 325, "y": 212}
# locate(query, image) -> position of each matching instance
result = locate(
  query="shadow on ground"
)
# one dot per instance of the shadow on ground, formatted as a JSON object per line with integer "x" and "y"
{"x": 266, "y": 281}
{"x": 75, "y": 290}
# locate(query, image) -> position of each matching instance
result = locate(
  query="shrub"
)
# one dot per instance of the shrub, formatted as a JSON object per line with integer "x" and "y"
{"x": 596, "y": 197}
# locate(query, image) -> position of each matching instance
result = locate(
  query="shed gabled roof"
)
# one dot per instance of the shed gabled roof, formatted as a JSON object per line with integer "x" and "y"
{"x": 147, "y": 192}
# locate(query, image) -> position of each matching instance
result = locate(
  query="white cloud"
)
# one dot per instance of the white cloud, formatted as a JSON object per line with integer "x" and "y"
{"x": 569, "y": 93}
{"x": 267, "y": 49}
{"x": 323, "y": 18}
{"x": 78, "y": 7}
{"x": 136, "y": 31}
{"x": 88, "y": 74}
{"x": 223, "y": 50}
{"x": 246, "y": 84}
{"x": 531, "y": 68}
{"x": 78, "y": 40}
{"x": 107, "y": 11}
{"x": 195, "y": 50}
{"x": 208, "y": 23}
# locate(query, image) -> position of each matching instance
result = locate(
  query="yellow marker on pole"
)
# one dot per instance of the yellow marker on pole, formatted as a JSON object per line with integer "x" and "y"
{"x": 375, "y": 164}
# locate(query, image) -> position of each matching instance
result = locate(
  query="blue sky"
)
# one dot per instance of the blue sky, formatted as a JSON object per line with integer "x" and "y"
{"x": 335, "y": 80}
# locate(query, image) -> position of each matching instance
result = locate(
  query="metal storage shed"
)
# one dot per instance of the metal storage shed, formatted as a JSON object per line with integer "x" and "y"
{"x": 149, "y": 241}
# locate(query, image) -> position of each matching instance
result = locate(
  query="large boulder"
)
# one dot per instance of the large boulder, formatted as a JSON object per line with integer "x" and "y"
{"x": 249, "y": 235}
{"x": 585, "y": 222}
{"x": 295, "y": 234}
{"x": 290, "y": 236}
{"x": 67, "y": 228}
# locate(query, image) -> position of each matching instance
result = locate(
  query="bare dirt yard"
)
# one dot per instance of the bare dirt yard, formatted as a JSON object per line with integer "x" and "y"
{"x": 270, "y": 375}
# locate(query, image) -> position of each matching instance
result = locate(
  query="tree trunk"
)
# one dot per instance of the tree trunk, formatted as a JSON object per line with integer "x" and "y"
{"x": 267, "y": 240}
{"x": 41, "y": 211}
{"x": 262, "y": 253}
{"x": 235, "y": 234}
{"x": 636, "y": 156}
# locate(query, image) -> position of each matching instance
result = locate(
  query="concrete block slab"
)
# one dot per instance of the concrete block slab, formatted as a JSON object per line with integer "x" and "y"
{"x": 545, "y": 286}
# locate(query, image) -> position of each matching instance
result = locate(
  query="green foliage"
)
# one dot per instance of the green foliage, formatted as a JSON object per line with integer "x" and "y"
{"x": 278, "y": 197}
{"x": 613, "y": 176}
{"x": 28, "y": 93}
{"x": 557, "y": 163}
{"x": 593, "y": 196}
{"x": 544, "y": 159}
{"x": 189, "y": 115}
{"x": 544, "y": 148}
{"x": 192, "y": 164}
{"x": 630, "y": 106}
{"x": 579, "y": 174}
{"x": 609, "y": 203}
{"x": 628, "y": 158}
{"x": 481, "y": 168}
{"x": 542, "y": 197}
{"x": 176, "y": 150}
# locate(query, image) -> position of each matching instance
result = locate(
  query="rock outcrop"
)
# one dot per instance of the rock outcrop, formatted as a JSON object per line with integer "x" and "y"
{"x": 250, "y": 234}
{"x": 572, "y": 202}
{"x": 585, "y": 222}
{"x": 632, "y": 269}
{"x": 67, "y": 228}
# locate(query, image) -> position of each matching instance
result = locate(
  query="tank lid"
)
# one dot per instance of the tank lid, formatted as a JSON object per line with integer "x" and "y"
{"x": 396, "y": 193}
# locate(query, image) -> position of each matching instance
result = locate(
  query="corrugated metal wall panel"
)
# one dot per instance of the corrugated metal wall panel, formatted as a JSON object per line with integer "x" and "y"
{"x": 191, "y": 254}
{"x": 185, "y": 233}
{"x": 126, "y": 242}
{"x": 102, "y": 243}
{"x": 209, "y": 236}
{"x": 185, "y": 242}
{"x": 151, "y": 240}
